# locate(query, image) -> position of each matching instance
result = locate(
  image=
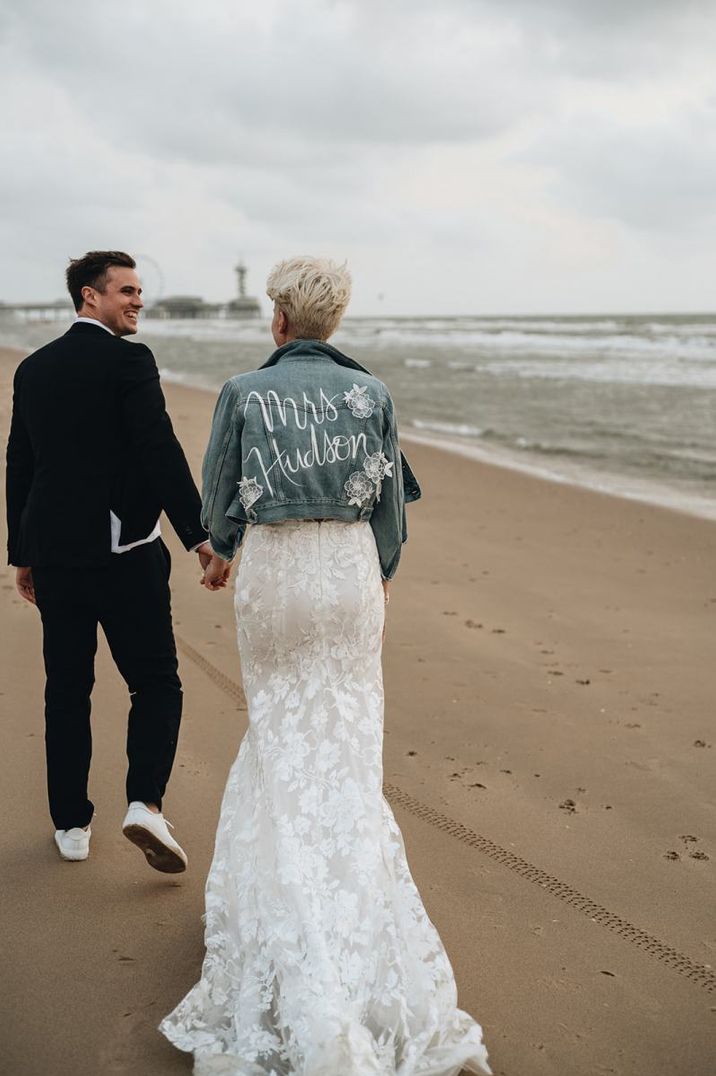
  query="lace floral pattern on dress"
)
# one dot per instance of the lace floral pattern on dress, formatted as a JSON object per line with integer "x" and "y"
{"x": 320, "y": 957}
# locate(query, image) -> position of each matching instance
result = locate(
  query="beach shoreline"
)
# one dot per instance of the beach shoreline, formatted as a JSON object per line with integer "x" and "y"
{"x": 619, "y": 405}
{"x": 621, "y": 487}
{"x": 549, "y": 686}
{"x": 648, "y": 492}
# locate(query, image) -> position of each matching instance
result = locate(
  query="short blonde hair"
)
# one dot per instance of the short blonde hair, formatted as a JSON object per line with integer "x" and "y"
{"x": 313, "y": 293}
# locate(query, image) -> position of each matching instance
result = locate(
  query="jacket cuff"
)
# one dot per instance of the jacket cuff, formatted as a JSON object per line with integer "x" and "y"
{"x": 221, "y": 549}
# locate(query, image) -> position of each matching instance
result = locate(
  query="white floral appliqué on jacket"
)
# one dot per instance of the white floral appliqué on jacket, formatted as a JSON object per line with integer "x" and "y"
{"x": 361, "y": 484}
{"x": 249, "y": 491}
{"x": 359, "y": 402}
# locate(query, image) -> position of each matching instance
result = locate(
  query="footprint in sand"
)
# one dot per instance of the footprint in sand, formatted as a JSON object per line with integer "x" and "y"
{"x": 689, "y": 839}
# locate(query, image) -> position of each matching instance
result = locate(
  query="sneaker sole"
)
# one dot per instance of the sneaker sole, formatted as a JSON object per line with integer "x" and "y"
{"x": 72, "y": 857}
{"x": 158, "y": 855}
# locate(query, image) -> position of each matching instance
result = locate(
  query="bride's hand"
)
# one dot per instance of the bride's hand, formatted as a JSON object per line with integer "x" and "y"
{"x": 216, "y": 573}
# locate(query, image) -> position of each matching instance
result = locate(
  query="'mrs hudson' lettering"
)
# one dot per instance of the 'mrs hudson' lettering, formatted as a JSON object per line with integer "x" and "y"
{"x": 324, "y": 411}
{"x": 306, "y": 415}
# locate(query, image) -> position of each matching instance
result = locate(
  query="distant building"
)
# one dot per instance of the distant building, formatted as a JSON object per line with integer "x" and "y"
{"x": 244, "y": 306}
{"x": 54, "y": 310}
{"x": 193, "y": 306}
{"x": 184, "y": 306}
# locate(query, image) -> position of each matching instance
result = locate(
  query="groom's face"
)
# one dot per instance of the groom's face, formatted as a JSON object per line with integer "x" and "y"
{"x": 119, "y": 304}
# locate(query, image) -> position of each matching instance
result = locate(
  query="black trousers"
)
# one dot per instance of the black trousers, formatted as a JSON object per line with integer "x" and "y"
{"x": 130, "y": 598}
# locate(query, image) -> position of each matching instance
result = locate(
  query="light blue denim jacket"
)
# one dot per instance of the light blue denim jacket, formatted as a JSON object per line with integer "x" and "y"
{"x": 309, "y": 435}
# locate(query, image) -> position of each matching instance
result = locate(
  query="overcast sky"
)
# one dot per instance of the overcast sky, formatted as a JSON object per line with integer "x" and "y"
{"x": 464, "y": 156}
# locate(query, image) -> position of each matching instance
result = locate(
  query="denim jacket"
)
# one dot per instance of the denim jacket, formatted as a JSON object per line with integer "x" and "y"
{"x": 309, "y": 435}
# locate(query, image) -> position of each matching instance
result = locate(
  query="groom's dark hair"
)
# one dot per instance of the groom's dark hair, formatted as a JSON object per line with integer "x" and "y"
{"x": 91, "y": 271}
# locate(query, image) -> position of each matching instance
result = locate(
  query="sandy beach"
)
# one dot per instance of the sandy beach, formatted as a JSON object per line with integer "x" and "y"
{"x": 549, "y": 754}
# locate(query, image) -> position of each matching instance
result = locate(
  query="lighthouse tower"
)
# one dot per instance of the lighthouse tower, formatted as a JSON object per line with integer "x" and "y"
{"x": 244, "y": 306}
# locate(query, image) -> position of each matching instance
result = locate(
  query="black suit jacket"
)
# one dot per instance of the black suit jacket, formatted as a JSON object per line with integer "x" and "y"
{"x": 90, "y": 433}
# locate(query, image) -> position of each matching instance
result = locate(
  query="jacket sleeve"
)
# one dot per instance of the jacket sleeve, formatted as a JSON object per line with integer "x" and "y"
{"x": 19, "y": 474}
{"x": 221, "y": 473}
{"x": 151, "y": 435}
{"x": 388, "y": 518}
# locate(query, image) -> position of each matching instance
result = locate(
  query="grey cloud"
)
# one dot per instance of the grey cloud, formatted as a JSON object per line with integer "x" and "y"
{"x": 660, "y": 176}
{"x": 618, "y": 40}
{"x": 193, "y": 132}
{"x": 337, "y": 79}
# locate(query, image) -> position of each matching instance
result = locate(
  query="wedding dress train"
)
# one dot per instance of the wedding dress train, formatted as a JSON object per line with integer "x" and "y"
{"x": 320, "y": 957}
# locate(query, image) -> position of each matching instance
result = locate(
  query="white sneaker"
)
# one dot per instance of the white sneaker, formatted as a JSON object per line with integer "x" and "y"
{"x": 148, "y": 830}
{"x": 73, "y": 843}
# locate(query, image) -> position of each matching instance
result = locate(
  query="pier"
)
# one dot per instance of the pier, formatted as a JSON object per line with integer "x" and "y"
{"x": 57, "y": 310}
{"x": 172, "y": 307}
{"x": 193, "y": 306}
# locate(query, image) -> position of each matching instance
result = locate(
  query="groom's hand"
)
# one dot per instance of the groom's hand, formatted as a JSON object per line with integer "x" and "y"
{"x": 216, "y": 573}
{"x": 205, "y": 553}
{"x": 25, "y": 585}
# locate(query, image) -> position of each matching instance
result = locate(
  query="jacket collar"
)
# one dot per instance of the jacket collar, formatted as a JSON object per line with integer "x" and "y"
{"x": 312, "y": 349}
{"x": 84, "y": 327}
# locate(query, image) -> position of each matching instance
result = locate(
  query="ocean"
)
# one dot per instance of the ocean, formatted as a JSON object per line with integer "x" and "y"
{"x": 624, "y": 404}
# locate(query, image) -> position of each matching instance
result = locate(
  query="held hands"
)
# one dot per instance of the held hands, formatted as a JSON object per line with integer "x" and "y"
{"x": 216, "y": 572}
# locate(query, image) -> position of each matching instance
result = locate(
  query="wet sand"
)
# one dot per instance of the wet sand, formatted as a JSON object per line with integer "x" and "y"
{"x": 550, "y": 749}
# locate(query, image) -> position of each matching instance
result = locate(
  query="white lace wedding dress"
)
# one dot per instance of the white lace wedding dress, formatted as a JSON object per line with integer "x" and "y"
{"x": 320, "y": 957}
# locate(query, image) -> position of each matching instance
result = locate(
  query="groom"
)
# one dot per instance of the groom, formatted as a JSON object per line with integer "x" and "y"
{"x": 92, "y": 460}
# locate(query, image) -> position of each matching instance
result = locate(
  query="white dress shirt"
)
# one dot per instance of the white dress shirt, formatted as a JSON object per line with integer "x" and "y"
{"x": 115, "y": 521}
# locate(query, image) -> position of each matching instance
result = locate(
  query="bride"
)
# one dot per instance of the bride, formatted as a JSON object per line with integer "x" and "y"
{"x": 320, "y": 957}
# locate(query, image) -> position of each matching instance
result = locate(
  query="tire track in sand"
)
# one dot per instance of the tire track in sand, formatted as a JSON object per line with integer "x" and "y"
{"x": 699, "y": 974}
